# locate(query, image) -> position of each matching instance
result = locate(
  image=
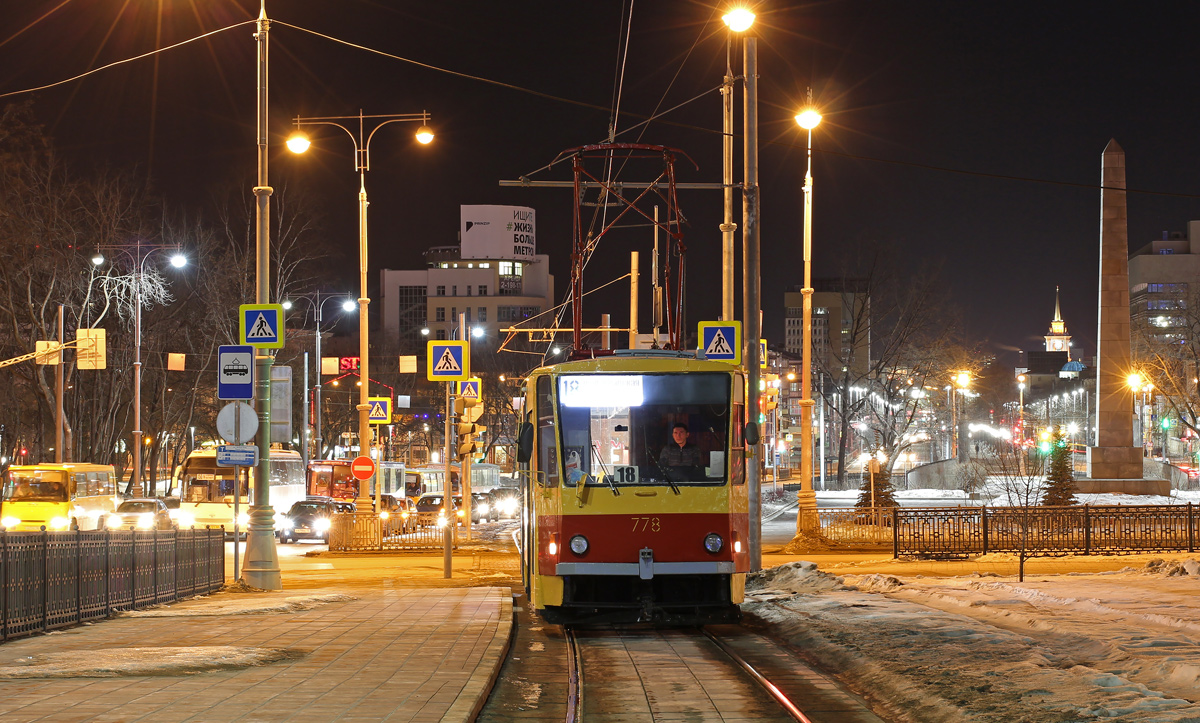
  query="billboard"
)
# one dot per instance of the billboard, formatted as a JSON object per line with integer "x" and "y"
{"x": 497, "y": 232}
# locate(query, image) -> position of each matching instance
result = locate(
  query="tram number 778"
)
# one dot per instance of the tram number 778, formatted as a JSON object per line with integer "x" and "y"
{"x": 642, "y": 524}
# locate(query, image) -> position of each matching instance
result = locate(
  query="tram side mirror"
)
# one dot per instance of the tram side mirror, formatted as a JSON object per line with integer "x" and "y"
{"x": 751, "y": 433}
{"x": 525, "y": 443}
{"x": 620, "y": 428}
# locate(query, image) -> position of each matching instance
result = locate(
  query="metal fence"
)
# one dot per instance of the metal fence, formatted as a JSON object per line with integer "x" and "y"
{"x": 1086, "y": 529}
{"x": 55, "y": 579}
{"x": 348, "y": 533}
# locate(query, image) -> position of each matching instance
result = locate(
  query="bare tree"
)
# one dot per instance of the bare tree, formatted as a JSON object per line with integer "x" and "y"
{"x": 1019, "y": 472}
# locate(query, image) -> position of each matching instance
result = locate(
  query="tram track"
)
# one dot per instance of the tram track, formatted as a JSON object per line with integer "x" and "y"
{"x": 693, "y": 671}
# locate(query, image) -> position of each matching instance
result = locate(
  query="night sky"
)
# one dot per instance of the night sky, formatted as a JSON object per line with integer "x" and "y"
{"x": 927, "y": 107}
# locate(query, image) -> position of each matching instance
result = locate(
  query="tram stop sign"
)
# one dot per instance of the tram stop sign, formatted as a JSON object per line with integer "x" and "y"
{"x": 362, "y": 468}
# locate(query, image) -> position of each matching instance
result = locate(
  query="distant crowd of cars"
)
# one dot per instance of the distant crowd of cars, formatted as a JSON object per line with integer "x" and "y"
{"x": 312, "y": 517}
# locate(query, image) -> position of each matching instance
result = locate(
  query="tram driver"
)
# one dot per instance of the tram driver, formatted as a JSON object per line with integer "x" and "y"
{"x": 680, "y": 459}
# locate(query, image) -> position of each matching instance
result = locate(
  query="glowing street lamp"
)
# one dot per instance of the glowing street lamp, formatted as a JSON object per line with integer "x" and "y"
{"x": 357, "y": 128}
{"x": 806, "y": 521}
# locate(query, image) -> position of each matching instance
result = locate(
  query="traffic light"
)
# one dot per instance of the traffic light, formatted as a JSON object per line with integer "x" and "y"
{"x": 465, "y": 439}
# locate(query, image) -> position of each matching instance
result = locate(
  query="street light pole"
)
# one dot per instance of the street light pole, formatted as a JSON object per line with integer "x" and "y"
{"x": 318, "y": 305}
{"x": 134, "y": 252}
{"x": 362, "y": 163}
{"x": 807, "y": 523}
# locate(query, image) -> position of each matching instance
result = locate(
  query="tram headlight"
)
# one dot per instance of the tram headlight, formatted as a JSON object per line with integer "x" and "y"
{"x": 10, "y": 521}
{"x": 579, "y": 544}
{"x": 713, "y": 542}
{"x": 145, "y": 520}
{"x": 59, "y": 523}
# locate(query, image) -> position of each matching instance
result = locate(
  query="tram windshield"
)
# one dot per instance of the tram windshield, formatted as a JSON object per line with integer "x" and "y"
{"x": 629, "y": 429}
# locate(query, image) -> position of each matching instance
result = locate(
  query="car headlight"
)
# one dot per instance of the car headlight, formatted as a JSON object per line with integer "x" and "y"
{"x": 579, "y": 544}
{"x": 284, "y": 523}
{"x": 482, "y": 507}
{"x": 145, "y": 520}
{"x": 11, "y": 521}
{"x": 185, "y": 519}
{"x": 460, "y": 513}
{"x": 244, "y": 518}
{"x": 509, "y": 506}
{"x": 321, "y": 524}
{"x": 113, "y": 521}
{"x": 59, "y": 523}
{"x": 404, "y": 515}
{"x": 384, "y": 515}
{"x": 713, "y": 542}
{"x": 441, "y": 521}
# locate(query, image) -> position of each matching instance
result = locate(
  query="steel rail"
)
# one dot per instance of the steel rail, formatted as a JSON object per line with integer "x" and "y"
{"x": 574, "y": 677}
{"x": 767, "y": 685}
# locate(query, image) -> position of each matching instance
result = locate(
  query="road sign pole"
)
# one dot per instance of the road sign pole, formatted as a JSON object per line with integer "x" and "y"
{"x": 237, "y": 496}
{"x": 448, "y": 495}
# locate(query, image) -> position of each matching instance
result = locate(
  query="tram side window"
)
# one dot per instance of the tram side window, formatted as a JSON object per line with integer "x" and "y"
{"x": 547, "y": 451}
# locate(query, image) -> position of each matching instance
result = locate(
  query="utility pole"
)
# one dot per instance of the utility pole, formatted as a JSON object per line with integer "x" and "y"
{"x": 262, "y": 561}
{"x": 751, "y": 292}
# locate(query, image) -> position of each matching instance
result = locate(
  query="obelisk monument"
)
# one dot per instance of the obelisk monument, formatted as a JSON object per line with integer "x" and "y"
{"x": 1114, "y": 464}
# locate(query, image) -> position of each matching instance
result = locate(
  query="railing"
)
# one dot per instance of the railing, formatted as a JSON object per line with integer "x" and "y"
{"x": 852, "y": 526}
{"x": 1085, "y": 529}
{"x": 55, "y": 579}
{"x": 347, "y": 532}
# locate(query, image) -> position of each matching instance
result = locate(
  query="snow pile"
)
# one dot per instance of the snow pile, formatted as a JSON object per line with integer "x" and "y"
{"x": 120, "y": 662}
{"x": 210, "y": 608}
{"x": 1120, "y": 646}
{"x": 794, "y": 578}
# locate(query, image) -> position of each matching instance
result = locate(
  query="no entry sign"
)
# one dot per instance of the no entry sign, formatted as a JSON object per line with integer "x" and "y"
{"x": 362, "y": 468}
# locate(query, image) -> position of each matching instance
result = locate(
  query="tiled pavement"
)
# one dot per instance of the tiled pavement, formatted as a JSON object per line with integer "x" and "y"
{"x": 394, "y": 655}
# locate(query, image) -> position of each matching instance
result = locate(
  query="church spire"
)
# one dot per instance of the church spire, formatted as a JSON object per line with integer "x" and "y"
{"x": 1058, "y": 339}
{"x": 1057, "y": 313}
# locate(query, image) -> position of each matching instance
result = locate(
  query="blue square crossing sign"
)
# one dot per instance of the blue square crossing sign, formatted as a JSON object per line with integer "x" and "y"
{"x": 261, "y": 325}
{"x": 448, "y": 361}
{"x": 721, "y": 340}
{"x": 235, "y": 372}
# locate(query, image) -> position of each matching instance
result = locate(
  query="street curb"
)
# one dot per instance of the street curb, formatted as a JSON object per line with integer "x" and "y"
{"x": 465, "y": 708}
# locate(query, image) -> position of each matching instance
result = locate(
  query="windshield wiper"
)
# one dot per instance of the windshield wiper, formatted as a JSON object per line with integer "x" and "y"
{"x": 611, "y": 480}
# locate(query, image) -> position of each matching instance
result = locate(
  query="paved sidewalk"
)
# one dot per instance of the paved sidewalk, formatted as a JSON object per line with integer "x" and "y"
{"x": 390, "y": 655}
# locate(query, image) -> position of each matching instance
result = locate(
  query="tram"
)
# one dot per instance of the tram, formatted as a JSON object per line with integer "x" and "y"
{"x": 636, "y": 496}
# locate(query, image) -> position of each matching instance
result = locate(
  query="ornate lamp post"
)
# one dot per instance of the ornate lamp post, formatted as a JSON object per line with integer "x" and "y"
{"x": 361, "y": 137}
{"x": 806, "y": 517}
{"x": 317, "y": 304}
{"x": 138, "y": 253}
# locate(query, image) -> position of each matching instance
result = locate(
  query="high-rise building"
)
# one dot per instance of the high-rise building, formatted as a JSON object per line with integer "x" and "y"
{"x": 839, "y": 323}
{"x": 1163, "y": 274}
{"x": 493, "y": 276}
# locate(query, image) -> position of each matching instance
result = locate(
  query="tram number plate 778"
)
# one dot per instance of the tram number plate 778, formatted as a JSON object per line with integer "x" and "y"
{"x": 646, "y": 524}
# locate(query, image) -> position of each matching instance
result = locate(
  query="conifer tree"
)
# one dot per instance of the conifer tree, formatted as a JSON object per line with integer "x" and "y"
{"x": 884, "y": 492}
{"x": 1060, "y": 480}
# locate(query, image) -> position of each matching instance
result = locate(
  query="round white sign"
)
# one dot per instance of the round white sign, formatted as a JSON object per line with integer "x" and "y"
{"x": 247, "y": 423}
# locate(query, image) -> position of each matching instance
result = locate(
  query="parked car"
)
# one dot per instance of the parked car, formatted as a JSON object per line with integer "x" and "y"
{"x": 143, "y": 513}
{"x": 308, "y": 519}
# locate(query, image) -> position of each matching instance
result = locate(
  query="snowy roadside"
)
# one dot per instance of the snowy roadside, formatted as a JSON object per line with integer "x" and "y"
{"x": 1118, "y": 646}
{"x": 238, "y": 605}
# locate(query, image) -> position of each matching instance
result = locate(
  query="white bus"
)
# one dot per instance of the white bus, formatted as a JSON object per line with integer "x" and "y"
{"x": 206, "y": 490}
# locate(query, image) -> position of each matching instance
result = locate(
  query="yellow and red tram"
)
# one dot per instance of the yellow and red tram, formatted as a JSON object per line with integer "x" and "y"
{"x": 636, "y": 496}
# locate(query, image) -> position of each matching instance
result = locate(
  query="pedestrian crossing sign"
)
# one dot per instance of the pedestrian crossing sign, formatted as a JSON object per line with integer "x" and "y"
{"x": 448, "y": 361}
{"x": 380, "y": 411}
{"x": 762, "y": 353}
{"x": 469, "y": 389}
{"x": 261, "y": 325}
{"x": 721, "y": 340}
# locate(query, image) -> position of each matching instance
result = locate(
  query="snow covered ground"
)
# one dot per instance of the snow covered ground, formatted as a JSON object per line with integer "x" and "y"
{"x": 1119, "y": 646}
